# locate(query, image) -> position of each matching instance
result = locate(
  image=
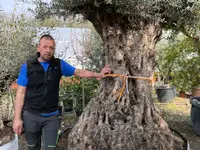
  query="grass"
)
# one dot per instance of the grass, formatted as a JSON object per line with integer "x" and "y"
{"x": 69, "y": 118}
{"x": 177, "y": 114}
{"x": 177, "y": 110}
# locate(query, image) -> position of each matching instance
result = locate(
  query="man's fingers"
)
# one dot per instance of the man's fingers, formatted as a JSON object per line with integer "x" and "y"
{"x": 106, "y": 70}
{"x": 20, "y": 129}
{"x": 16, "y": 131}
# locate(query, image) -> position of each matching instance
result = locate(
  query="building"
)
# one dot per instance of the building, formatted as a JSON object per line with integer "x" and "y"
{"x": 70, "y": 44}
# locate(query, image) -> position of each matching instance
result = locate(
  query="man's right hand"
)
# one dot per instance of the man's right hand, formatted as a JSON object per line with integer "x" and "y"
{"x": 17, "y": 126}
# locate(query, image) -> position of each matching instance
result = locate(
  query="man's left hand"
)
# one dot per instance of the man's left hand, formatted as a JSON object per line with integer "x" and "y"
{"x": 105, "y": 70}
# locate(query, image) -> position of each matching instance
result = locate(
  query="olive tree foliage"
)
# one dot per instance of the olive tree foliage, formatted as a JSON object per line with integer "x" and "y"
{"x": 16, "y": 45}
{"x": 94, "y": 51}
{"x": 180, "y": 60}
{"x": 171, "y": 14}
{"x": 118, "y": 119}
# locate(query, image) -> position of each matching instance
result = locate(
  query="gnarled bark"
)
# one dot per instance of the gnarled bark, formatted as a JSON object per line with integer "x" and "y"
{"x": 132, "y": 123}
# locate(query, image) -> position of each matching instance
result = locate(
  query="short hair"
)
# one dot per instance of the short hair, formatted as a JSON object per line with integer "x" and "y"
{"x": 46, "y": 36}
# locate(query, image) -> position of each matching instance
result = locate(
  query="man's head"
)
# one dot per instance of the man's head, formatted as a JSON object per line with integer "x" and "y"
{"x": 46, "y": 47}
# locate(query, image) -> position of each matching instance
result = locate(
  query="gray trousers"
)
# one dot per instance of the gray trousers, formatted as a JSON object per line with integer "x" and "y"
{"x": 38, "y": 128}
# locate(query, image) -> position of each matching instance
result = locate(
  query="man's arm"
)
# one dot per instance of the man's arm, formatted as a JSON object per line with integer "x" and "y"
{"x": 19, "y": 103}
{"x": 68, "y": 70}
{"x": 89, "y": 74}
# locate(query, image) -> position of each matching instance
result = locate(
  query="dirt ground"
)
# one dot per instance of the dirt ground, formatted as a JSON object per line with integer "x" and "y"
{"x": 6, "y": 135}
{"x": 175, "y": 113}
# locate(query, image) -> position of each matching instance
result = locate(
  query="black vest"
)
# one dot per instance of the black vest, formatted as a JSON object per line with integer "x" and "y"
{"x": 42, "y": 93}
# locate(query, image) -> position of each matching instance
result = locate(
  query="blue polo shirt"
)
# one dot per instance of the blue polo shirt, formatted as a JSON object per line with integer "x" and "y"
{"x": 66, "y": 70}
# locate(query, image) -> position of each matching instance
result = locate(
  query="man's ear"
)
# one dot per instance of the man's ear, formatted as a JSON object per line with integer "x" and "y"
{"x": 37, "y": 46}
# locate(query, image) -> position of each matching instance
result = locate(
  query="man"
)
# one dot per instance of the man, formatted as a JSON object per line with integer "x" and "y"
{"x": 37, "y": 95}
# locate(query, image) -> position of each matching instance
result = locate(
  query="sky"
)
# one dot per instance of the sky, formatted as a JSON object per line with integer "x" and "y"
{"x": 8, "y": 6}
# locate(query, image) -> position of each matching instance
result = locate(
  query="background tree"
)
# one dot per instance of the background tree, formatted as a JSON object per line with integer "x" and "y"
{"x": 17, "y": 38}
{"x": 94, "y": 52}
{"x": 129, "y": 30}
{"x": 88, "y": 48}
{"x": 181, "y": 60}
{"x": 71, "y": 92}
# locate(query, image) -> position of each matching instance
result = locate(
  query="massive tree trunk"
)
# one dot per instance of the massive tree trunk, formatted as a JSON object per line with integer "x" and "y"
{"x": 132, "y": 123}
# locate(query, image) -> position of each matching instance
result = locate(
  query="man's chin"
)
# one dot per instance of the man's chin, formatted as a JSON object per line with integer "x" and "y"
{"x": 47, "y": 57}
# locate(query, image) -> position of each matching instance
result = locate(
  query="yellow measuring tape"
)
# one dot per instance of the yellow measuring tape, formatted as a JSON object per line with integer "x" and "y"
{"x": 124, "y": 78}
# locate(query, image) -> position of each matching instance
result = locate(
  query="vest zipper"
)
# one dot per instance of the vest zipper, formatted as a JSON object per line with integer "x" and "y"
{"x": 45, "y": 88}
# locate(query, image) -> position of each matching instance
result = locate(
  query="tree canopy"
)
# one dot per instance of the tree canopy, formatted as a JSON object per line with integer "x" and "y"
{"x": 179, "y": 15}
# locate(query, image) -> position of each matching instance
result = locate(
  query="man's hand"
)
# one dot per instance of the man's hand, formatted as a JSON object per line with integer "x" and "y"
{"x": 17, "y": 126}
{"x": 105, "y": 70}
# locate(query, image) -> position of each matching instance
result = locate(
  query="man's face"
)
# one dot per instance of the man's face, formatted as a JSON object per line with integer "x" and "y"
{"x": 46, "y": 48}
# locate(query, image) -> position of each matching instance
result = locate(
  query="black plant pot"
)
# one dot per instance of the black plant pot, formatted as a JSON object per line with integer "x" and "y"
{"x": 166, "y": 94}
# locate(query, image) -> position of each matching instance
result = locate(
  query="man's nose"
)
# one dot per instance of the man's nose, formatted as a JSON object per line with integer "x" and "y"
{"x": 48, "y": 49}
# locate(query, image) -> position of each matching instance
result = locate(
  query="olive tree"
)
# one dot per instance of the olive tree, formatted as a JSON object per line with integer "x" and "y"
{"x": 129, "y": 30}
{"x": 16, "y": 45}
